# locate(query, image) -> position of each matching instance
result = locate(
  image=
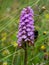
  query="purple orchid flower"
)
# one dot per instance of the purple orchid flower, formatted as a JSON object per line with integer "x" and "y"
{"x": 26, "y": 26}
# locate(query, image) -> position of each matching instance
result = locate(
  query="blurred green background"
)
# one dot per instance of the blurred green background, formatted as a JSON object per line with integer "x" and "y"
{"x": 9, "y": 19}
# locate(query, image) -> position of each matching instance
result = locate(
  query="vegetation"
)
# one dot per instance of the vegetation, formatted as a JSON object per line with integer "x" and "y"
{"x": 10, "y": 11}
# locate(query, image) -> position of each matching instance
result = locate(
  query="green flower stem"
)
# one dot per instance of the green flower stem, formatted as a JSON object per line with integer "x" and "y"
{"x": 25, "y": 57}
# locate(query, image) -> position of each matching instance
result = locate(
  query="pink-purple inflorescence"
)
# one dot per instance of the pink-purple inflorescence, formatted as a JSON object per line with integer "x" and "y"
{"x": 26, "y": 26}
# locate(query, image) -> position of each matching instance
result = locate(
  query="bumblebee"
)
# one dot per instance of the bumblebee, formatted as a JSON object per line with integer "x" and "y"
{"x": 35, "y": 34}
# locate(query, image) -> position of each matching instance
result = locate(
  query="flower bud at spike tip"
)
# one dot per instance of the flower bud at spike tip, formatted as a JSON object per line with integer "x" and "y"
{"x": 26, "y": 26}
